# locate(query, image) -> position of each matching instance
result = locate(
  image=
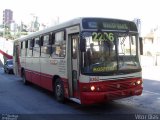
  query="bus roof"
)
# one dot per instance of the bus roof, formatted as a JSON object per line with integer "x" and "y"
{"x": 52, "y": 28}
{"x": 69, "y": 23}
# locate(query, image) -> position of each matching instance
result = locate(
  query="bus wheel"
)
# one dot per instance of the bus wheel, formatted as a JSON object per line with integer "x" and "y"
{"x": 24, "y": 78}
{"x": 59, "y": 91}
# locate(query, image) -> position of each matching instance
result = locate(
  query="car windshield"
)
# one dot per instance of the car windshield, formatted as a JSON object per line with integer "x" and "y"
{"x": 110, "y": 52}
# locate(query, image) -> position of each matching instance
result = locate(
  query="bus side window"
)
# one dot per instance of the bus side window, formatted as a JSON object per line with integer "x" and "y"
{"x": 74, "y": 49}
{"x": 59, "y": 48}
{"x": 23, "y": 49}
{"x": 45, "y": 48}
{"x": 26, "y": 47}
{"x": 21, "y": 43}
{"x": 36, "y": 48}
{"x": 29, "y": 49}
{"x": 51, "y": 39}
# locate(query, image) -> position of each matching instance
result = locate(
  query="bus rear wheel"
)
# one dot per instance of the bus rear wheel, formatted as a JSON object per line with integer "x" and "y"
{"x": 59, "y": 91}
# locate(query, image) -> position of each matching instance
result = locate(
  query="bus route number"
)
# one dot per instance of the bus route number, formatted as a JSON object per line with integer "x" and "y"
{"x": 102, "y": 36}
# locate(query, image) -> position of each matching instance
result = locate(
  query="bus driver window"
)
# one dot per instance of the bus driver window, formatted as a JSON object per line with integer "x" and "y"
{"x": 91, "y": 52}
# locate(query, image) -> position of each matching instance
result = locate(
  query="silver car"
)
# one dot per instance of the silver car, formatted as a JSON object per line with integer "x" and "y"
{"x": 8, "y": 66}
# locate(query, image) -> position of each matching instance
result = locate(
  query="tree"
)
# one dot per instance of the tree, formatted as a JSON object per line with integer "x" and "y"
{"x": 36, "y": 24}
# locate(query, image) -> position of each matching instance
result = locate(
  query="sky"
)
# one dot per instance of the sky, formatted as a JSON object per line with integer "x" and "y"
{"x": 49, "y": 10}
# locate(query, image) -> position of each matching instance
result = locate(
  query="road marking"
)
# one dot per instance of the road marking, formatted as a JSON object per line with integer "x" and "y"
{"x": 151, "y": 92}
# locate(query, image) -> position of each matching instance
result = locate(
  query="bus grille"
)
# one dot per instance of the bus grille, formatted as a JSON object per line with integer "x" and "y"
{"x": 119, "y": 85}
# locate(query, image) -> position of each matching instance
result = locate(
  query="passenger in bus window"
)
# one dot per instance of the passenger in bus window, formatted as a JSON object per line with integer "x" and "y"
{"x": 62, "y": 51}
{"x": 58, "y": 51}
{"x": 54, "y": 52}
{"x": 91, "y": 50}
{"x": 107, "y": 51}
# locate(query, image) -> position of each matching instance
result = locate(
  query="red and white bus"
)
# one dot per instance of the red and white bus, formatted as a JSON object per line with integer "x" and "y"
{"x": 87, "y": 60}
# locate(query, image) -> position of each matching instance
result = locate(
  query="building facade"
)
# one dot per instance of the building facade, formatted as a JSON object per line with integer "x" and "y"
{"x": 7, "y": 17}
{"x": 151, "y": 47}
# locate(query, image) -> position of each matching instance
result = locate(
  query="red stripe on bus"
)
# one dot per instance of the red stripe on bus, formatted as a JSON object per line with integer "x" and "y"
{"x": 42, "y": 79}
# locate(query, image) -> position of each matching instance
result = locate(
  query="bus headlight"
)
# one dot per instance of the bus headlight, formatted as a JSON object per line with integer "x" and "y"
{"x": 138, "y": 82}
{"x": 92, "y": 88}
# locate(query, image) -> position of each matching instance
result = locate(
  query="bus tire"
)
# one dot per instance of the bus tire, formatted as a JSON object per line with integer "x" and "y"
{"x": 59, "y": 90}
{"x": 24, "y": 78}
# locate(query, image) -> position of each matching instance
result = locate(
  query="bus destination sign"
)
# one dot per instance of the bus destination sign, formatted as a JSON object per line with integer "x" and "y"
{"x": 119, "y": 26}
{"x": 108, "y": 24}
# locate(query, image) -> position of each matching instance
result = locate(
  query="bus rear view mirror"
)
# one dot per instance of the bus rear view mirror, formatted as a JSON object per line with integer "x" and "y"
{"x": 83, "y": 45}
{"x": 141, "y": 45}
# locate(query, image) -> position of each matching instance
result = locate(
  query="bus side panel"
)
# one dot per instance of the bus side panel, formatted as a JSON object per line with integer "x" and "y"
{"x": 47, "y": 72}
{"x": 36, "y": 78}
{"x": 46, "y": 81}
{"x": 66, "y": 87}
{"x": 36, "y": 75}
{"x": 28, "y": 68}
{"x": 28, "y": 74}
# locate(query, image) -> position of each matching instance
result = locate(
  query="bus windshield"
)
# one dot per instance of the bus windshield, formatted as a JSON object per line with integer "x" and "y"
{"x": 110, "y": 52}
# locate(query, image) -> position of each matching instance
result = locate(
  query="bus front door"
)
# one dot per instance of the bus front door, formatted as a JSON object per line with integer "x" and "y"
{"x": 74, "y": 69}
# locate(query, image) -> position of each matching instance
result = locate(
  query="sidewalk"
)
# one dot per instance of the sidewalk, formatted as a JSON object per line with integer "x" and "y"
{"x": 151, "y": 72}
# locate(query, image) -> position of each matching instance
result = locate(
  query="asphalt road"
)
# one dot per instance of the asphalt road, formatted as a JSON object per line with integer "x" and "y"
{"x": 29, "y": 101}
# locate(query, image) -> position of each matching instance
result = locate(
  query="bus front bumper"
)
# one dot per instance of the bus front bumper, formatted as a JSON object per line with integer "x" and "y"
{"x": 102, "y": 97}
